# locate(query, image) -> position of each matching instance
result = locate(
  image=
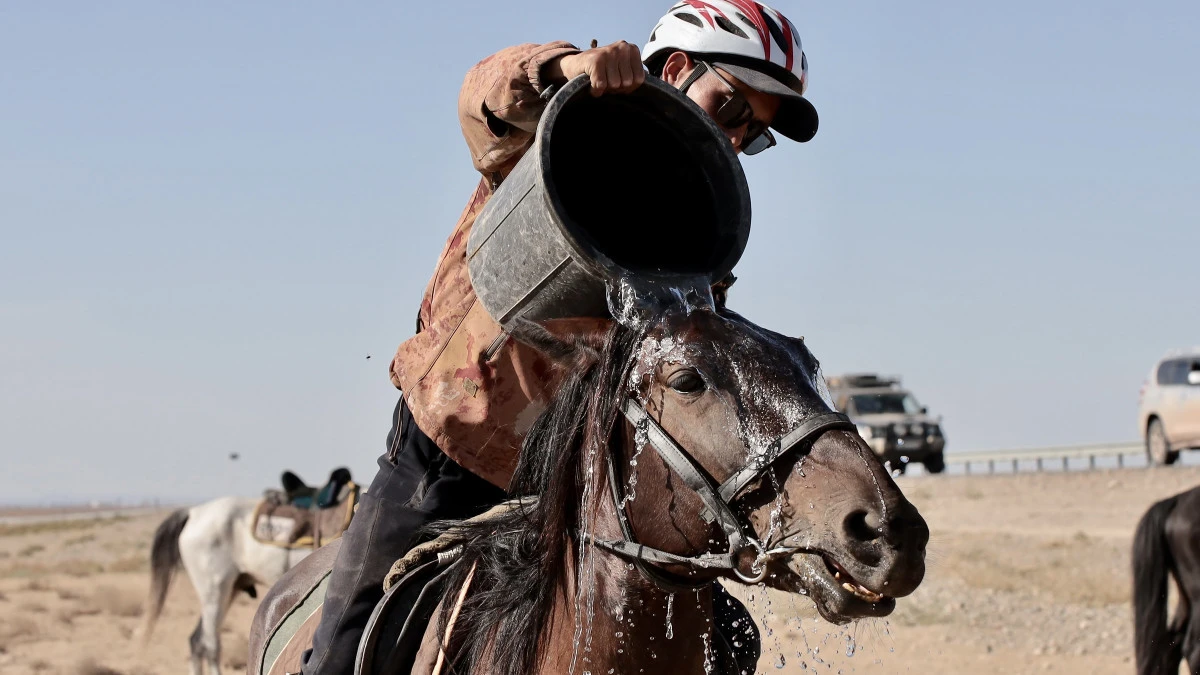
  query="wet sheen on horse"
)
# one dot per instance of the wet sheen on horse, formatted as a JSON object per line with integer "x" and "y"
{"x": 699, "y": 447}
{"x": 1166, "y": 544}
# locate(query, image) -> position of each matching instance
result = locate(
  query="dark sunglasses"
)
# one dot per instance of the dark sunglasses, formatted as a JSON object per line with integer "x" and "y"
{"x": 736, "y": 112}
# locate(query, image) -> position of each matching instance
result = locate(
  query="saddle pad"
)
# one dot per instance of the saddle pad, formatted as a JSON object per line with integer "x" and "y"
{"x": 290, "y": 526}
{"x": 293, "y": 636}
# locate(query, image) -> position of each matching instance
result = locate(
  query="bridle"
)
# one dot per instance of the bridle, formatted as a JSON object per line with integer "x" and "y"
{"x": 718, "y": 501}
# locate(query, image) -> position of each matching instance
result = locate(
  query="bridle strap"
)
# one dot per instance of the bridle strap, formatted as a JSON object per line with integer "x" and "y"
{"x": 635, "y": 551}
{"x": 812, "y": 426}
{"x": 717, "y": 499}
{"x": 692, "y": 474}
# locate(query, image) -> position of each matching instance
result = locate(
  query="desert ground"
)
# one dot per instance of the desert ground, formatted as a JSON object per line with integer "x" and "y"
{"x": 1027, "y": 573}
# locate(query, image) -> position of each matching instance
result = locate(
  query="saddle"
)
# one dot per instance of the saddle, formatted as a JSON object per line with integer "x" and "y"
{"x": 301, "y": 516}
{"x": 392, "y": 639}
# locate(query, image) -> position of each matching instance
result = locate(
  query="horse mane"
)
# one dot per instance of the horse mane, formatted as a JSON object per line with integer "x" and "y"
{"x": 520, "y": 557}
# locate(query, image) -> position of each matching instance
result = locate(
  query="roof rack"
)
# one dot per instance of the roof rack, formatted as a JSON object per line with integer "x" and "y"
{"x": 849, "y": 380}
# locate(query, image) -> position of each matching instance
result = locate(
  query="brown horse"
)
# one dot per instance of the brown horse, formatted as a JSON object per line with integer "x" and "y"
{"x": 699, "y": 448}
{"x": 1166, "y": 543}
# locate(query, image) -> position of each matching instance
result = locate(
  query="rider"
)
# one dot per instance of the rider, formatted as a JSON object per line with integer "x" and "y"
{"x": 469, "y": 392}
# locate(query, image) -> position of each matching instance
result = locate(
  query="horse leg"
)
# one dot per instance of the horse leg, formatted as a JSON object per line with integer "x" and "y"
{"x": 214, "y": 577}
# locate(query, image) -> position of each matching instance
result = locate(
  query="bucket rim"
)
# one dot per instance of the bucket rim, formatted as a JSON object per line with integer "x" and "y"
{"x": 593, "y": 258}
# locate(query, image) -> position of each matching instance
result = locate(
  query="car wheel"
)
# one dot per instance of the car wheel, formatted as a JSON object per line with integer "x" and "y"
{"x": 936, "y": 463}
{"x": 1158, "y": 448}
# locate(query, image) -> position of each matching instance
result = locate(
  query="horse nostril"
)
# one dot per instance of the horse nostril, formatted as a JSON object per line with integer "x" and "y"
{"x": 863, "y": 526}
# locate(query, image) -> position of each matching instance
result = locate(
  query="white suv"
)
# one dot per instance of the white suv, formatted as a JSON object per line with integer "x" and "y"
{"x": 1169, "y": 410}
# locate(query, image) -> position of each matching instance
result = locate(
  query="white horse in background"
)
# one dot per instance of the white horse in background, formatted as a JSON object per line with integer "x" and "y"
{"x": 214, "y": 543}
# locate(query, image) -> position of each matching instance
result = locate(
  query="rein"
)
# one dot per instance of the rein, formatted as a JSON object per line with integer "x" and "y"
{"x": 718, "y": 500}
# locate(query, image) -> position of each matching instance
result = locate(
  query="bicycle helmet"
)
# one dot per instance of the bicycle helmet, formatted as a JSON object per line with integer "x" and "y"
{"x": 751, "y": 41}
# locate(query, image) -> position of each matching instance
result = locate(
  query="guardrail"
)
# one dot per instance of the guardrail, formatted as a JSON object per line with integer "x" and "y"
{"x": 1061, "y": 453}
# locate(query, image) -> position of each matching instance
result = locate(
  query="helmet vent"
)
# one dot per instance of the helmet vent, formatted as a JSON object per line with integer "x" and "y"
{"x": 730, "y": 27}
{"x": 776, "y": 32}
{"x": 690, "y": 18}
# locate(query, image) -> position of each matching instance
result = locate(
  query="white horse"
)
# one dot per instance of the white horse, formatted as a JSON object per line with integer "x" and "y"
{"x": 213, "y": 542}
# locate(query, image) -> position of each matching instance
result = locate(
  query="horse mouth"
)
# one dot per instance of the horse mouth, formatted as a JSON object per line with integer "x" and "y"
{"x": 839, "y": 597}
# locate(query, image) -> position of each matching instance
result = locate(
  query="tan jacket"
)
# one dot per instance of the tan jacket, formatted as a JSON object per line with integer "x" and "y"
{"x": 470, "y": 388}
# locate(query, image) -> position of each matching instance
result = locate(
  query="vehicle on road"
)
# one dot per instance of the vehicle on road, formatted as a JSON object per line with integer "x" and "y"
{"x": 1169, "y": 407}
{"x": 897, "y": 427}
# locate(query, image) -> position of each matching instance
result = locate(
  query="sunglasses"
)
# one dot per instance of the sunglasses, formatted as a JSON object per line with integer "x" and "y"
{"x": 736, "y": 112}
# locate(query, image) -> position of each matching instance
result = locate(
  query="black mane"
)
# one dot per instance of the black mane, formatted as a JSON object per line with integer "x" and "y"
{"x": 520, "y": 557}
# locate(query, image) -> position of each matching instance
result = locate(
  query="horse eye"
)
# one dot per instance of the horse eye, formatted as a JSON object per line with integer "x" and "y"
{"x": 687, "y": 382}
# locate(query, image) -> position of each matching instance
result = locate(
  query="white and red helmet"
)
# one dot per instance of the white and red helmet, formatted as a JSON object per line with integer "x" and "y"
{"x": 755, "y": 43}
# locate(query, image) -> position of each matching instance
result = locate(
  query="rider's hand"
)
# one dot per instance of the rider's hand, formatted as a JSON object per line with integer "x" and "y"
{"x": 612, "y": 69}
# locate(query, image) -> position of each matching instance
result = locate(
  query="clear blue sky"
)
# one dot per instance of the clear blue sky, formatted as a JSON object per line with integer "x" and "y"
{"x": 212, "y": 212}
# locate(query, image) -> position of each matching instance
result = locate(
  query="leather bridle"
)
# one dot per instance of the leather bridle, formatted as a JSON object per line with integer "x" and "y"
{"x": 718, "y": 501}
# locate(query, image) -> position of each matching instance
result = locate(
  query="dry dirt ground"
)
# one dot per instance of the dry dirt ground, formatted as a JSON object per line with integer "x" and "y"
{"x": 1027, "y": 573}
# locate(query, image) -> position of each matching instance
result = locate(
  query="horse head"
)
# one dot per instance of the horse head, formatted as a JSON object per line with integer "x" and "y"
{"x": 773, "y": 484}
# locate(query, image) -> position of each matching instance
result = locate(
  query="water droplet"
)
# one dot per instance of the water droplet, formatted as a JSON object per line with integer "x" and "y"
{"x": 619, "y": 634}
{"x": 781, "y": 662}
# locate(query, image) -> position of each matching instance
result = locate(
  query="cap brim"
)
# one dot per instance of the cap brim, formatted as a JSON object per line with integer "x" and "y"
{"x": 797, "y": 117}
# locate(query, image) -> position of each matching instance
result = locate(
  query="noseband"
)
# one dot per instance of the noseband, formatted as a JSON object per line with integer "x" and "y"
{"x": 718, "y": 500}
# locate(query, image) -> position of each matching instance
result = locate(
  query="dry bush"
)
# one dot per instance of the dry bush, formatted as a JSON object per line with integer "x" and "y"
{"x": 30, "y": 551}
{"x": 40, "y": 666}
{"x": 44, "y": 526}
{"x": 67, "y": 594}
{"x": 90, "y": 667}
{"x": 3, "y": 597}
{"x": 133, "y": 563}
{"x": 113, "y": 601}
{"x": 16, "y": 630}
{"x": 67, "y": 615}
{"x": 36, "y": 585}
{"x": 75, "y": 541}
{"x": 32, "y": 608}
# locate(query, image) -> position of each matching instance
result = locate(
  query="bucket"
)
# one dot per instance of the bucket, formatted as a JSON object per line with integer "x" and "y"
{"x": 641, "y": 186}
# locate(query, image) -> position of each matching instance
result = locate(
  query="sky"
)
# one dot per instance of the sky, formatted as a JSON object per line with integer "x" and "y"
{"x": 212, "y": 213}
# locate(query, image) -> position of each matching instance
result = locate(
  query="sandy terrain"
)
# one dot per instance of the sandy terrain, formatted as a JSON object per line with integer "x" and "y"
{"x": 1027, "y": 573}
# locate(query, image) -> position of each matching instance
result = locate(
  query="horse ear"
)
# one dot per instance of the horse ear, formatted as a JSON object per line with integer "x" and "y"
{"x": 574, "y": 342}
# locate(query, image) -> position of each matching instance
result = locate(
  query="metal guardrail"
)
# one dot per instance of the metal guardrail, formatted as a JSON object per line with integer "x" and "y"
{"x": 1061, "y": 453}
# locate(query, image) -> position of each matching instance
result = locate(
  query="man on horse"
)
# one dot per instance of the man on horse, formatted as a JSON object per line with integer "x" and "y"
{"x": 469, "y": 394}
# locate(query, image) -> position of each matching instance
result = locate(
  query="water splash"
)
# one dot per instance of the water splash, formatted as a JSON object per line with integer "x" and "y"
{"x": 585, "y": 575}
{"x": 635, "y": 301}
{"x": 670, "y": 615}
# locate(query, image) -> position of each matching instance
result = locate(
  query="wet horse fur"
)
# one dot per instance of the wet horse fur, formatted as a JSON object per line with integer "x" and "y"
{"x": 1166, "y": 545}
{"x": 539, "y": 602}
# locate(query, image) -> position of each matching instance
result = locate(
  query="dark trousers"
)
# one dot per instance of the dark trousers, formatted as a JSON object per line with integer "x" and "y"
{"x": 417, "y": 484}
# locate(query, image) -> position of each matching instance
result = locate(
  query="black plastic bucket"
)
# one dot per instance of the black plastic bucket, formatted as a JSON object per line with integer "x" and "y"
{"x": 642, "y": 185}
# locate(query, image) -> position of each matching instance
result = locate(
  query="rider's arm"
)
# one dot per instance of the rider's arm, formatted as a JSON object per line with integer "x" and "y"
{"x": 500, "y": 102}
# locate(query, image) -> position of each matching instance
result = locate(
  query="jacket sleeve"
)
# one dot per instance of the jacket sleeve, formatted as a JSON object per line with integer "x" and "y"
{"x": 500, "y": 103}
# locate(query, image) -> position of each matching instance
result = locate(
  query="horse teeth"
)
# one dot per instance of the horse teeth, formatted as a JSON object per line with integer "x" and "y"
{"x": 849, "y": 586}
{"x": 837, "y": 575}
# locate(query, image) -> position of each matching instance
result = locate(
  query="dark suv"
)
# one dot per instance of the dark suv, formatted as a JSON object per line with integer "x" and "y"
{"x": 897, "y": 427}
